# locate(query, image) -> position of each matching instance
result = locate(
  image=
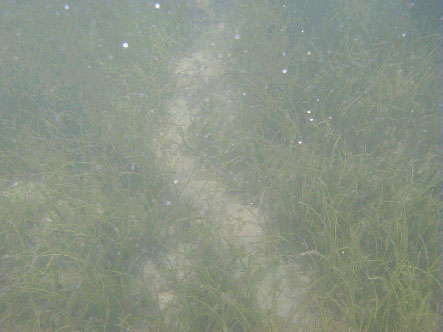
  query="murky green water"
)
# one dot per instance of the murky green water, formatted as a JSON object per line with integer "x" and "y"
{"x": 220, "y": 165}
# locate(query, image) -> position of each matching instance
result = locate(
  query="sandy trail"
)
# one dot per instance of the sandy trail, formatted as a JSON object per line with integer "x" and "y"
{"x": 199, "y": 78}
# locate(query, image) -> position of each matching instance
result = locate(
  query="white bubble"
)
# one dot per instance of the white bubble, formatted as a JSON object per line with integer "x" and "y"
{"x": 311, "y": 119}
{"x": 300, "y": 142}
{"x": 125, "y": 45}
{"x": 284, "y": 71}
{"x": 237, "y": 36}
{"x": 157, "y": 5}
{"x": 309, "y": 111}
{"x": 66, "y": 6}
{"x": 175, "y": 181}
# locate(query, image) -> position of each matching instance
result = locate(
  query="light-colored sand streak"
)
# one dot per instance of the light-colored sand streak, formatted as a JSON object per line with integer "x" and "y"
{"x": 237, "y": 225}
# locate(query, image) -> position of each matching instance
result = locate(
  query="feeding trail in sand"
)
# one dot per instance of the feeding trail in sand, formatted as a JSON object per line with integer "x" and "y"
{"x": 199, "y": 74}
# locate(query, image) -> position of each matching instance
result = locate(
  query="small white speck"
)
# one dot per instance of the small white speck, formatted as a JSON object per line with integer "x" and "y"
{"x": 300, "y": 142}
{"x": 157, "y": 5}
{"x": 311, "y": 119}
{"x": 66, "y": 6}
{"x": 330, "y": 117}
{"x": 284, "y": 71}
{"x": 237, "y": 36}
{"x": 309, "y": 53}
{"x": 284, "y": 53}
{"x": 168, "y": 203}
{"x": 318, "y": 99}
{"x": 302, "y": 30}
{"x": 309, "y": 111}
{"x": 175, "y": 181}
{"x": 403, "y": 34}
{"x": 125, "y": 45}
{"x": 243, "y": 94}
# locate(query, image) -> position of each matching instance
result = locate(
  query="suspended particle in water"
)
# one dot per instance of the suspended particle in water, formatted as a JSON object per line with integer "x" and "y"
{"x": 66, "y": 6}
{"x": 284, "y": 71}
{"x": 157, "y": 5}
{"x": 237, "y": 36}
{"x": 125, "y": 45}
{"x": 243, "y": 94}
{"x": 168, "y": 203}
{"x": 300, "y": 142}
{"x": 309, "y": 53}
{"x": 309, "y": 111}
{"x": 175, "y": 181}
{"x": 311, "y": 119}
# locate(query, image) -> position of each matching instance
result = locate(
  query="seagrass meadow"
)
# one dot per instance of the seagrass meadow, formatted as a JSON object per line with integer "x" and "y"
{"x": 221, "y": 165}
